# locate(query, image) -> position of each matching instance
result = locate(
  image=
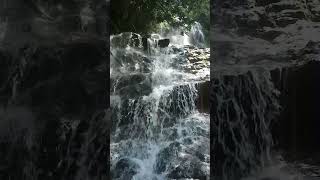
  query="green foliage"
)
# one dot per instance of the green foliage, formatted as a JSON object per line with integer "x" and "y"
{"x": 143, "y": 15}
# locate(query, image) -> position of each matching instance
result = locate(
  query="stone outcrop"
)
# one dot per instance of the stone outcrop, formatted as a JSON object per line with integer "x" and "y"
{"x": 277, "y": 43}
{"x": 252, "y": 31}
{"x": 51, "y": 22}
{"x": 163, "y": 43}
{"x": 242, "y": 107}
{"x": 53, "y": 103}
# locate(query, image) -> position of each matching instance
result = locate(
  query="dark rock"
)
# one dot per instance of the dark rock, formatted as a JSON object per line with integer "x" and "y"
{"x": 295, "y": 14}
{"x": 163, "y": 43}
{"x": 133, "y": 62}
{"x": 135, "y": 40}
{"x": 203, "y": 99}
{"x": 166, "y": 155}
{"x": 126, "y": 39}
{"x": 266, "y": 2}
{"x": 134, "y": 86}
{"x": 145, "y": 41}
{"x": 285, "y": 21}
{"x": 270, "y": 35}
{"x": 231, "y": 113}
{"x": 270, "y": 178}
{"x": 125, "y": 169}
{"x": 188, "y": 170}
{"x": 280, "y": 7}
{"x": 298, "y": 128}
{"x": 53, "y": 83}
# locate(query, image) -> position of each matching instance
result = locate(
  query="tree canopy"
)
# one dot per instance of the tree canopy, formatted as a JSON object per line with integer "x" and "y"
{"x": 142, "y": 16}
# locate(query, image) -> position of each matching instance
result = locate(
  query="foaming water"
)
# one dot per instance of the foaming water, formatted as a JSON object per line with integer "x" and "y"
{"x": 181, "y": 37}
{"x": 196, "y": 35}
{"x": 243, "y": 107}
{"x": 157, "y": 131}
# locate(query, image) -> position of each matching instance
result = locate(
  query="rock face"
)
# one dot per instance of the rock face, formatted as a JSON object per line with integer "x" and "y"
{"x": 50, "y": 22}
{"x": 256, "y": 111}
{"x": 199, "y": 59}
{"x": 61, "y": 95}
{"x": 164, "y": 43}
{"x": 271, "y": 41}
{"x": 242, "y": 107}
{"x": 53, "y": 102}
{"x": 125, "y": 169}
{"x": 297, "y": 130}
{"x": 252, "y": 31}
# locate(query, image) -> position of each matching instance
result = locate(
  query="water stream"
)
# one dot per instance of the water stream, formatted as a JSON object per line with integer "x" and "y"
{"x": 245, "y": 104}
{"x": 157, "y": 131}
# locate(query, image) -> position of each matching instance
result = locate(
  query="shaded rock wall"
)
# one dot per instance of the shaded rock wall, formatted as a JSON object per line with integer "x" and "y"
{"x": 251, "y": 119}
{"x": 297, "y": 131}
{"x": 53, "y": 81}
{"x": 252, "y": 31}
{"x": 242, "y": 108}
{"x": 49, "y": 22}
{"x": 62, "y": 130}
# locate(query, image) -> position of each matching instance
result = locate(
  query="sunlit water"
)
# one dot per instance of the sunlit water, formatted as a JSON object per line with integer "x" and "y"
{"x": 157, "y": 131}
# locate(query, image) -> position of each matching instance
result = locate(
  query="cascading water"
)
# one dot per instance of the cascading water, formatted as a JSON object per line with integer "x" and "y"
{"x": 157, "y": 131}
{"x": 196, "y": 35}
{"x": 243, "y": 106}
{"x": 180, "y": 37}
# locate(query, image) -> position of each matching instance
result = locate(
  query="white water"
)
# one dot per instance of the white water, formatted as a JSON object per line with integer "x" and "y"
{"x": 179, "y": 37}
{"x": 159, "y": 130}
{"x": 244, "y": 105}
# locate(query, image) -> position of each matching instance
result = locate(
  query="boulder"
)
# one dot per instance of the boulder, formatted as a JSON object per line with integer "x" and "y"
{"x": 125, "y": 169}
{"x": 163, "y": 43}
{"x": 166, "y": 155}
{"x": 190, "y": 168}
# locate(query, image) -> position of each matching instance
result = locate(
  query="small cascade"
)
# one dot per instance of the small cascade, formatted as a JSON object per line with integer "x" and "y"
{"x": 243, "y": 107}
{"x": 196, "y": 35}
{"x": 157, "y": 132}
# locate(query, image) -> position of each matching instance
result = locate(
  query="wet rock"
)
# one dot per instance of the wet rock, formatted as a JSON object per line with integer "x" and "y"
{"x": 274, "y": 24}
{"x": 57, "y": 84}
{"x": 266, "y": 2}
{"x": 135, "y": 40}
{"x": 270, "y": 35}
{"x": 189, "y": 169}
{"x": 300, "y": 99}
{"x": 125, "y": 169}
{"x": 285, "y": 21}
{"x": 126, "y": 39}
{"x": 270, "y": 178}
{"x": 203, "y": 99}
{"x": 145, "y": 42}
{"x": 175, "y": 109}
{"x": 228, "y": 118}
{"x": 198, "y": 59}
{"x": 282, "y": 6}
{"x": 131, "y": 62}
{"x": 166, "y": 155}
{"x": 131, "y": 86}
{"x": 164, "y": 43}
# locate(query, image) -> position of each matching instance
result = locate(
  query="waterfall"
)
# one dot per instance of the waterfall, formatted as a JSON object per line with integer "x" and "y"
{"x": 157, "y": 132}
{"x": 196, "y": 35}
{"x": 182, "y": 37}
{"x": 242, "y": 108}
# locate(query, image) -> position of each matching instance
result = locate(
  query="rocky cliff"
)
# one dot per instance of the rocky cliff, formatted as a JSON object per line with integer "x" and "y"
{"x": 264, "y": 96}
{"x": 53, "y": 112}
{"x": 53, "y": 79}
{"x": 253, "y": 31}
